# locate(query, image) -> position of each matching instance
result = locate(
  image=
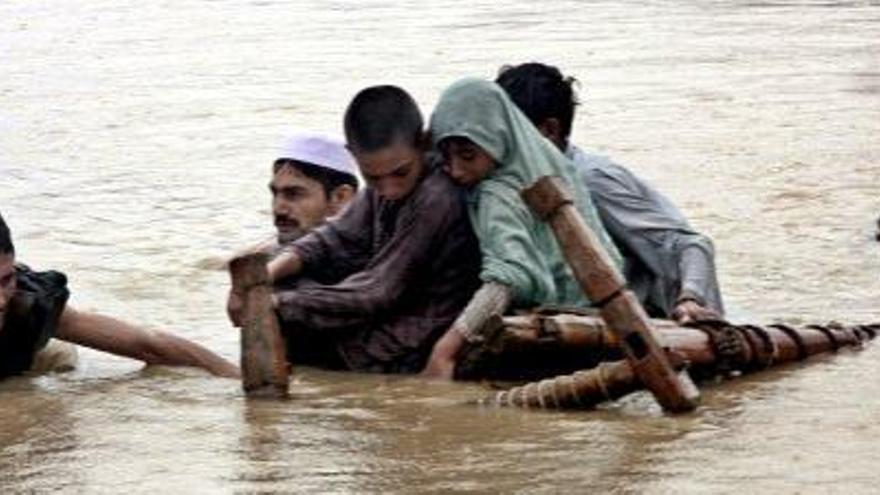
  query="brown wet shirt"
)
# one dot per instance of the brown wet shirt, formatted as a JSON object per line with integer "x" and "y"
{"x": 405, "y": 270}
{"x": 32, "y": 318}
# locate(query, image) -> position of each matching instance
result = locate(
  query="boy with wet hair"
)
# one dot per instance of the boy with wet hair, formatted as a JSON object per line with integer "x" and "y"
{"x": 33, "y": 310}
{"x": 669, "y": 265}
{"x": 403, "y": 253}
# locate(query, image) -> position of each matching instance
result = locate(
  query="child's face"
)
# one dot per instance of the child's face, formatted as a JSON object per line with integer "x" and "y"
{"x": 7, "y": 284}
{"x": 465, "y": 162}
{"x": 393, "y": 171}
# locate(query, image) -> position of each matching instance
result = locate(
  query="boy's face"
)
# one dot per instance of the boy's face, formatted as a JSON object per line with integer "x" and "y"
{"x": 393, "y": 171}
{"x": 299, "y": 203}
{"x": 465, "y": 162}
{"x": 7, "y": 284}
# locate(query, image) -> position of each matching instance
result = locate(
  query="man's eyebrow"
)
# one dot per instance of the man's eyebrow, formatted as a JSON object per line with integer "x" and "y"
{"x": 292, "y": 188}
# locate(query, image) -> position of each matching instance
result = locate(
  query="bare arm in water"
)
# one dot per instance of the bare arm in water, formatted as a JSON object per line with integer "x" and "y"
{"x": 110, "y": 335}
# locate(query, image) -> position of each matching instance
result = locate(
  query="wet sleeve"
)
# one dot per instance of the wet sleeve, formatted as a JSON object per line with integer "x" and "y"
{"x": 490, "y": 299}
{"x": 510, "y": 256}
{"x": 421, "y": 228}
{"x": 697, "y": 267}
{"x": 32, "y": 318}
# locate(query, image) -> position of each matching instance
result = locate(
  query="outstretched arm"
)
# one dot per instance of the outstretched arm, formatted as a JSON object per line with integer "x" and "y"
{"x": 110, "y": 335}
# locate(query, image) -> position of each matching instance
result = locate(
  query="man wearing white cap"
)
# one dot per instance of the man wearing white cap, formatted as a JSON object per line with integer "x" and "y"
{"x": 313, "y": 178}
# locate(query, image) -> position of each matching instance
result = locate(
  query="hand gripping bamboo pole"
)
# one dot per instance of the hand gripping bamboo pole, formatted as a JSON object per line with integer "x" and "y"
{"x": 600, "y": 281}
{"x": 264, "y": 368}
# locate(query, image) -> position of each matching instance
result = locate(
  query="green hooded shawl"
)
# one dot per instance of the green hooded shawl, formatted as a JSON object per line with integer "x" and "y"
{"x": 518, "y": 249}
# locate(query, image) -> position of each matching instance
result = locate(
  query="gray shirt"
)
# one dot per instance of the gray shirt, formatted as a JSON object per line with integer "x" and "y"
{"x": 664, "y": 257}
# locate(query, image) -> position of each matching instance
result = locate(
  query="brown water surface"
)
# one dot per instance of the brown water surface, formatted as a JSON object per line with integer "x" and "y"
{"x": 135, "y": 147}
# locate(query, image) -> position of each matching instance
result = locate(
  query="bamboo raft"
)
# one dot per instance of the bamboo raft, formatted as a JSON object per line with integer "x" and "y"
{"x": 574, "y": 361}
{"x": 571, "y": 360}
{"x": 657, "y": 356}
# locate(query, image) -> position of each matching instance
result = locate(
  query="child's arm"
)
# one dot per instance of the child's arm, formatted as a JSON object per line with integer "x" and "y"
{"x": 491, "y": 299}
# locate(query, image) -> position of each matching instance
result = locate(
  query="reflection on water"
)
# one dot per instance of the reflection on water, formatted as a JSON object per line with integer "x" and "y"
{"x": 135, "y": 145}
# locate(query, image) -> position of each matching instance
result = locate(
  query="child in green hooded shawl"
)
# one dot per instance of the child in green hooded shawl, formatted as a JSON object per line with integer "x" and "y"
{"x": 492, "y": 148}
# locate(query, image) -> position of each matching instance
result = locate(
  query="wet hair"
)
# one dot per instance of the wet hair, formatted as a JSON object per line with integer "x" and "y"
{"x": 6, "y": 246}
{"x": 328, "y": 178}
{"x": 541, "y": 92}
{"x": 379, "y": 116}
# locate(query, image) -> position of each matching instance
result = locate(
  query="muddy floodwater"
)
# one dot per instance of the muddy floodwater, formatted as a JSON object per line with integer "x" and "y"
{"x": 135, "y": 147}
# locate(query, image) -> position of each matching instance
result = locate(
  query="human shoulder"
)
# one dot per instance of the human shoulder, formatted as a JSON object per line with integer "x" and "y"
{"x": 497, "y": 203}
{"x": 33, "y": 317}
{"x": 595, "y": 164}
{"x": 49, "y": 284}
{"x": 437, "y": 191}
{"x": 604, "y": 176}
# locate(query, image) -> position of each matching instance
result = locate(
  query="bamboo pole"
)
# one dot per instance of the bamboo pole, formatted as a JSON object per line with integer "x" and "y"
{"x": 763, "y": 347}
{"x": 523, "y": 337}
{"x": 537, "y": 346}
{"x": 603, "y": 285}
{"x": 580, "y": 390}
{"x": 264, "y": 368}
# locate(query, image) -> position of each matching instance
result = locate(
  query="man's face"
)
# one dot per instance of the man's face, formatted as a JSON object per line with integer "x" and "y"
{"x": 393, "y": 171}
{"x": 465, "y": 162}
{"x": 299, "y": 203}
{"x": 7, "y": 284}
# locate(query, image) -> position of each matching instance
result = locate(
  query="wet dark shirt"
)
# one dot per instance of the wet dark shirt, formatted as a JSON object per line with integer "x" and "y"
{"x": 406, "y": 269}
{"x": 32, "y": 318}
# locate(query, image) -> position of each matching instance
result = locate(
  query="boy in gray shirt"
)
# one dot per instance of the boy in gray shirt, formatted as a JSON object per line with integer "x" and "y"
{"x": 669, "y": 265}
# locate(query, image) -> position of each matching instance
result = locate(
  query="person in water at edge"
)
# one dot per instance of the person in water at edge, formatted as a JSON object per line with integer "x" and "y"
{"x": 669, "y": 265}
{"x": 34, "y": 309}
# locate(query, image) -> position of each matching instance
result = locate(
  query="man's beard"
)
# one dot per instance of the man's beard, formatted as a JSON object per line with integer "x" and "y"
{"x": 289, "y": 235}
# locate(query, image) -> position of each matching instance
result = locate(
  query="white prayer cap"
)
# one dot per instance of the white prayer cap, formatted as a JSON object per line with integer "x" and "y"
{"x": 318, "y": 149}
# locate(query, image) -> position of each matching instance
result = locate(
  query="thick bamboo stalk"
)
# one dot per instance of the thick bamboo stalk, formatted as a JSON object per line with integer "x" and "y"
{"x": 604, "y": 285}
{"x": 762, "y": 347}
{"x": 264, "y": 368}
{"x": 581, "y": 390}
{"x": 522, "y": 337}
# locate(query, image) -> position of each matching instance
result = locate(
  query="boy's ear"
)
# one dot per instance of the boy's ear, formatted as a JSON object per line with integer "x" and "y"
{"x": 339, "y": 198}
